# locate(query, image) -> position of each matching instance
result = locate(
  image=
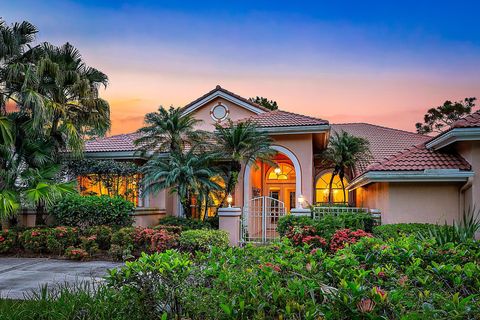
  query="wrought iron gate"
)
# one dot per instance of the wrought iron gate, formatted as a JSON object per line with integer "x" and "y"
{"x": 260, "y": 218}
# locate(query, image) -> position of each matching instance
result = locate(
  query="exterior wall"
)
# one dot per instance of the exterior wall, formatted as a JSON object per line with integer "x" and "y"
{"x": 470, "y": 151}
{"x": 155, "y": 200}
{"x": 301, "y": 146}
{"x": 208, "y": 124}
{"x": 412, "y": 202}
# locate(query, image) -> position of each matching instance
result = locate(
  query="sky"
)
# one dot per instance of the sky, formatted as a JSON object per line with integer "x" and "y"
{"x": 381, "y": 62}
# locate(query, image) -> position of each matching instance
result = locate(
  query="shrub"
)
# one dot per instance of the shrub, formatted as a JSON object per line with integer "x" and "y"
{"x": 152, "y": 240}
{"x": 86, "y": 211}
{"x": 157, "y": 282}
{"x": 122, "y": 243}
{"x": 34, "y": 240}
{"x": 89, "y": 244}
{"x": 202, "y": 240}
{"x": 387, "y": 231}
{"x": 346, "y": 236}
{"x": 8, "y": 240}
{"x": 184, "y": 223}
{"x": 73, "y": 253}
{"x": 328, "y": 224}
{"x": 103, "y": 236}
{"x": 305, "y": 235}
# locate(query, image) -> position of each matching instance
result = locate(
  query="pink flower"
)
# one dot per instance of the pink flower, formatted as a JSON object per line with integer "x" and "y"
{"x": 366, "y": 305}
{"x": 35, "y": 234}
{"x": 2, "y": 239}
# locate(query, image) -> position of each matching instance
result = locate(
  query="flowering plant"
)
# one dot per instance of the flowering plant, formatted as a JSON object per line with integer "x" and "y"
{"x": 73, "y": 253}
{"x": 346, "y": 236}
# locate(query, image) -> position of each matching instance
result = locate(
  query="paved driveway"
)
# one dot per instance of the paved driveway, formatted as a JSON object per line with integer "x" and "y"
{"x": 20, "y": 276}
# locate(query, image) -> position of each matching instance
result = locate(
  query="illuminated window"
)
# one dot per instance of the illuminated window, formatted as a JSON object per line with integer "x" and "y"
{"x": 111, "y": 185}
{"x": 209, "y": 203}
{"x": 283, "y": 172}
{"x": 322, "y": 190}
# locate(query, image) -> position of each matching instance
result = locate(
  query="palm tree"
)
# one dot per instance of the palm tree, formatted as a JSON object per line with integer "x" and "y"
{"x": 184, "y": 173}
{"x": 343, "y": 153}
{"x": 15, "y": 40}
{"x": 238, "y": 144}
{"x": 169, "y": 131}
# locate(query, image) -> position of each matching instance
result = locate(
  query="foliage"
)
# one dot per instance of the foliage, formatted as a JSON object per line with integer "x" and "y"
{"x": 185, "y": 224}
{"x": 84, "y": 300}
{"x": 305, "y": 235}
{"x": 73, "y": 253}
{"x": 87, "y": 211}
{"x": 103, "y": 236}
{"x": 398, "y": 230}
{"x": 168, "y": 131}
{"x": 8, "y": 240}
{"x": 238, "y": 144}
{"x": 157, "y": 282}
{"x": 264, "y": 102}
{"x": 439, "y": 118}
{"x": 343, "y": 237}
{"x": 327, "y": 224}
{"x": 185, "y": 174}
{"x": 397, "y": 278}
{"x": 343, "y": 153}
{"x": 462, "y": 231}
{"x": 203, "y": 240}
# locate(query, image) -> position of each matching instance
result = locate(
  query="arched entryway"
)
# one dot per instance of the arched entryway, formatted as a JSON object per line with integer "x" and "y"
{"x": 281, "y": 179}
{"x": 271, "y": 190}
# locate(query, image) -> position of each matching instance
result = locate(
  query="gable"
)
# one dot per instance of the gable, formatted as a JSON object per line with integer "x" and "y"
{"x": 219, "y": 105}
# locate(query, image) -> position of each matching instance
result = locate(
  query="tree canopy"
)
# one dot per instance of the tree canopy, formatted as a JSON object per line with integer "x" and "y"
{"x": 265, "y": 102}
{"x": 440, "y": 118}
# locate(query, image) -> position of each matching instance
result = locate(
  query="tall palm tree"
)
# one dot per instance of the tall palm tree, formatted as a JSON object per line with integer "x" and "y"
{"x": 15, "y": 40}
{"x": 343, "y": 153}
{"x": 238, "y": 144}
{"x": 168, "y": 131}
{"x": 184, "y": 173}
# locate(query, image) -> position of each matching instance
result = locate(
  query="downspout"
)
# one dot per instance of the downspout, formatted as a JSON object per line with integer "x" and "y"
{"x": 463, "y": 189}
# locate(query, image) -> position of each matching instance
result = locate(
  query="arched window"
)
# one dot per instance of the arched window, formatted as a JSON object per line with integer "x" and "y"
{"x": 283, "y": 172}
{"x": 322, "y": 190}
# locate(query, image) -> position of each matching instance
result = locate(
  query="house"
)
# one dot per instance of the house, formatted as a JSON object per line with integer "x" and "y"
{"x": 410, "y": 178}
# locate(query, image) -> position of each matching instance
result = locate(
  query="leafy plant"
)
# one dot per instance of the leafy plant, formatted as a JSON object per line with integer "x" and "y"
{"x": 87, "y": 211}
{"x": 398, "y": 230}
{"x": 203, "y": 240}
{"x": 185, "y": 224}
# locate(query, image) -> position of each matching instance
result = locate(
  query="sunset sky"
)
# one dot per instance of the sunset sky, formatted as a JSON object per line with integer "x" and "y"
{"x": 352, "y": 61}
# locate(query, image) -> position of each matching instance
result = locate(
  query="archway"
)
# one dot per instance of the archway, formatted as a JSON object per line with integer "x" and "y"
{"x": 256, "y": 180}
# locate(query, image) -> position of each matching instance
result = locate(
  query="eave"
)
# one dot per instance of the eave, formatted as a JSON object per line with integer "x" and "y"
{"x": 427, "y": 175}
{"x": 452, "y": 136}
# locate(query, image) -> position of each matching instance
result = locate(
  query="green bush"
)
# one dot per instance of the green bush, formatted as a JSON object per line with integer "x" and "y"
{"x": 86, "y": 211}
{"x": 157, "y": 282}
{"x": 8, "y": 241}
{"x": 185, "y": 224}
{"x": 328, "y": 224}
{"x": 203, "y": 240}
{"x": 397, "y": 230}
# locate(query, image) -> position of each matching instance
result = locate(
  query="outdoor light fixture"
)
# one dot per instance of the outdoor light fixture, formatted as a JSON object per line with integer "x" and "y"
{"x": 301, "y": 199}
{"x": 229, "y": 200}
{"x": 277, "y": 171}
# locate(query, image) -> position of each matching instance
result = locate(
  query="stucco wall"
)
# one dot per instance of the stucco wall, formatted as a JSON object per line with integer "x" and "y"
{"x": 470, "y": 151}
{"x": 302, "y": 146}
{"x": 412, "y": 202}
{"x": 208, "y": 124}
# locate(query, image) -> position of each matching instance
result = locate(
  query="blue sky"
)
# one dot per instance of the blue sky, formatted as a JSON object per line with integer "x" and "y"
{"x": 375, "y": 61}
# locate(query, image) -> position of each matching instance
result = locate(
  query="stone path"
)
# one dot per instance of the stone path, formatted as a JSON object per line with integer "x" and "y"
{"x": 20, "y": 276}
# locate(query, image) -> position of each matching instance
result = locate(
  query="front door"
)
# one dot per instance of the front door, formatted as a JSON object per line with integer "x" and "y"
{"x": 260, "y": 218}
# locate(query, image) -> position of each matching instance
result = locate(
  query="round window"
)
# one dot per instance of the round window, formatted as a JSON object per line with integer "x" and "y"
{"x": 219, "y": 112}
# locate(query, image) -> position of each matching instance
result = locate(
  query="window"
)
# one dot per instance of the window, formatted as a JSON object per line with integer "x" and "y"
{"x": 219, "y": 112}
{"x": 126, "y": 187}
{"x": 283, "y": 172}
{"x": 322, "y": 190}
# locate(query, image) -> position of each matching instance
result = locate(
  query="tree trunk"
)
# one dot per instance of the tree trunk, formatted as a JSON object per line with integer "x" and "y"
{"x": 330, "y": 187}
{"x": 342, "y": 175}
{"x": 40, "y": 215}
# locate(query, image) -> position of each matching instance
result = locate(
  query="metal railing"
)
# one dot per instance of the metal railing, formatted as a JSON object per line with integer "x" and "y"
{"x": 320, "y": 211}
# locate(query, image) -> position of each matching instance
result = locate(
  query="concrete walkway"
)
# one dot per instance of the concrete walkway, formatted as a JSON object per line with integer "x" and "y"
{"x": 21, "y": 276}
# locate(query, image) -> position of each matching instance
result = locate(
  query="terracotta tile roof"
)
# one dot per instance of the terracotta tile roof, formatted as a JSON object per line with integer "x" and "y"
{"x": 218, "y": 88}
{"x": 419, "y": 158}
{"x": 470, "y": 121}
{"x": 384, "y": 141}
{"x": 120, "y": 142}
{"x": 280, "y": 118}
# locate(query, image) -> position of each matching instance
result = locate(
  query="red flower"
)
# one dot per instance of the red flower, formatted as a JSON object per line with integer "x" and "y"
{"x": 35, "y": 234}
{"x": 381, "y": 274}
{"x": 380, "y": 292}
{"x": 2, "y": 239}
{"x": 366, "y": 305}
